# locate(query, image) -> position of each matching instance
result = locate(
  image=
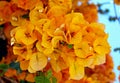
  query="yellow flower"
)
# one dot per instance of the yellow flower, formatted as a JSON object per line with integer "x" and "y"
{"x": 58, "y": 64}
{"x": 38, "y": 61}
{"x": 25, "y": 34}
{"x": 98, "y": 59}
{"x": 31, "y": 70}
{"x": 76, "y": 69}
{"x": 53, "y": 13}
{"x": 76, "y": 38}
{"x": 101, "y": 46}
{"x": 43, "y": 25}
{"x": 97, "y": 28}
{"x": 37, "y": 13}
{"x": 63, "y": 3}
{"x": 75, "y": 22}
{"x": 22, "y": 51}
{"x": 56, "y": 41}
{"x": 39, "y": 47}
{"x": 57, "y": 16}
{"x": 46, "y": 43}
{"x": 82, "y": 50}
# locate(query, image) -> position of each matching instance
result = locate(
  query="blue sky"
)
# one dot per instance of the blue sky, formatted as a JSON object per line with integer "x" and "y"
{"x": 113, "y": 29}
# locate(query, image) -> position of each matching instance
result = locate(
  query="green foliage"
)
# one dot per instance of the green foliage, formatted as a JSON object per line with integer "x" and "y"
{"x": 54, "y": 80}
{"x": 23, "y": 81}
{"x": 3, "y": 68}
{"x": 70, "y": 46}
{"x": 49, "y": 74}
{"x": 41, "y": 79}
{"x": 45, "y": 77}
{"x": 13, "y": 65}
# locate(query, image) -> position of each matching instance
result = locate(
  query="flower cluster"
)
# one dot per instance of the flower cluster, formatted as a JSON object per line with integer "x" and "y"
{"x": 100, "y": 74}
{"x": 49, "y": 34}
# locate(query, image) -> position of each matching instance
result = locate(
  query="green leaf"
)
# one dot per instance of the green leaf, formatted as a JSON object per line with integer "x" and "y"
{"x": 15, "y": 65}
{"x": 46, "y": 80}
{"x": 49, "y": 74}
{"x": 54, "y": 80}
{"x": 70, "y": 46}
{"x": 4, "y": 66}
{"x": 39, "y": 79}
{"x": 24, "y": 81}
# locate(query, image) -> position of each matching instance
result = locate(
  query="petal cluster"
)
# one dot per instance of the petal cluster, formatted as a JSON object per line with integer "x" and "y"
{"x": 50, "y": 32}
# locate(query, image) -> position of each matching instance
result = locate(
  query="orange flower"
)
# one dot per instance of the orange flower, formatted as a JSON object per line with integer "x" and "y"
{"x": 5, "y": 12}
{"x": 26, "y": 4}
{"x": 117, "y": 2}
{"x": 58, "y": 76}
{"x": 21, "y": 76}
{"x": 24, "y": 65}
{"x": 30, "y": 78}
{"x": 67, "y": 4}
{"x": 7, "y": 28}
{"x": 10, "y": 73}
{"x": 89, "y": 11}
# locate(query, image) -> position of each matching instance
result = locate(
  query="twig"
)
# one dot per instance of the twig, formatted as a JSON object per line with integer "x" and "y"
{"x": 116, "y": 13}
{"x": 8, "y": 79}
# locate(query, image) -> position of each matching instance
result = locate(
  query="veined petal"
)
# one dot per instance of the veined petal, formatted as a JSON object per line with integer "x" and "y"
{"x": 76, "y": 70}
{"x": 38, "y": 61}
{"x": 82, "y": 50}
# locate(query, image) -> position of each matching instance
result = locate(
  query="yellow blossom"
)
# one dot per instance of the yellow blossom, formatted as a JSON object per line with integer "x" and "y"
{"x": 37, "y": 13}
{"x": 82, "y": 50}
{"x": 46, "y": 43}
{"x": 58, "y": 64}
{"x": 76, "y": 70}
{"x": 25, "y": 34}
{"x": 38, "y": 61}
{"x": 63, "y": 3}
{"x": 101, "y": 45}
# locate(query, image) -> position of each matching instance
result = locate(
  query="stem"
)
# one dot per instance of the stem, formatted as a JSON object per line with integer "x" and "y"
{"x": 116, "y": 12}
